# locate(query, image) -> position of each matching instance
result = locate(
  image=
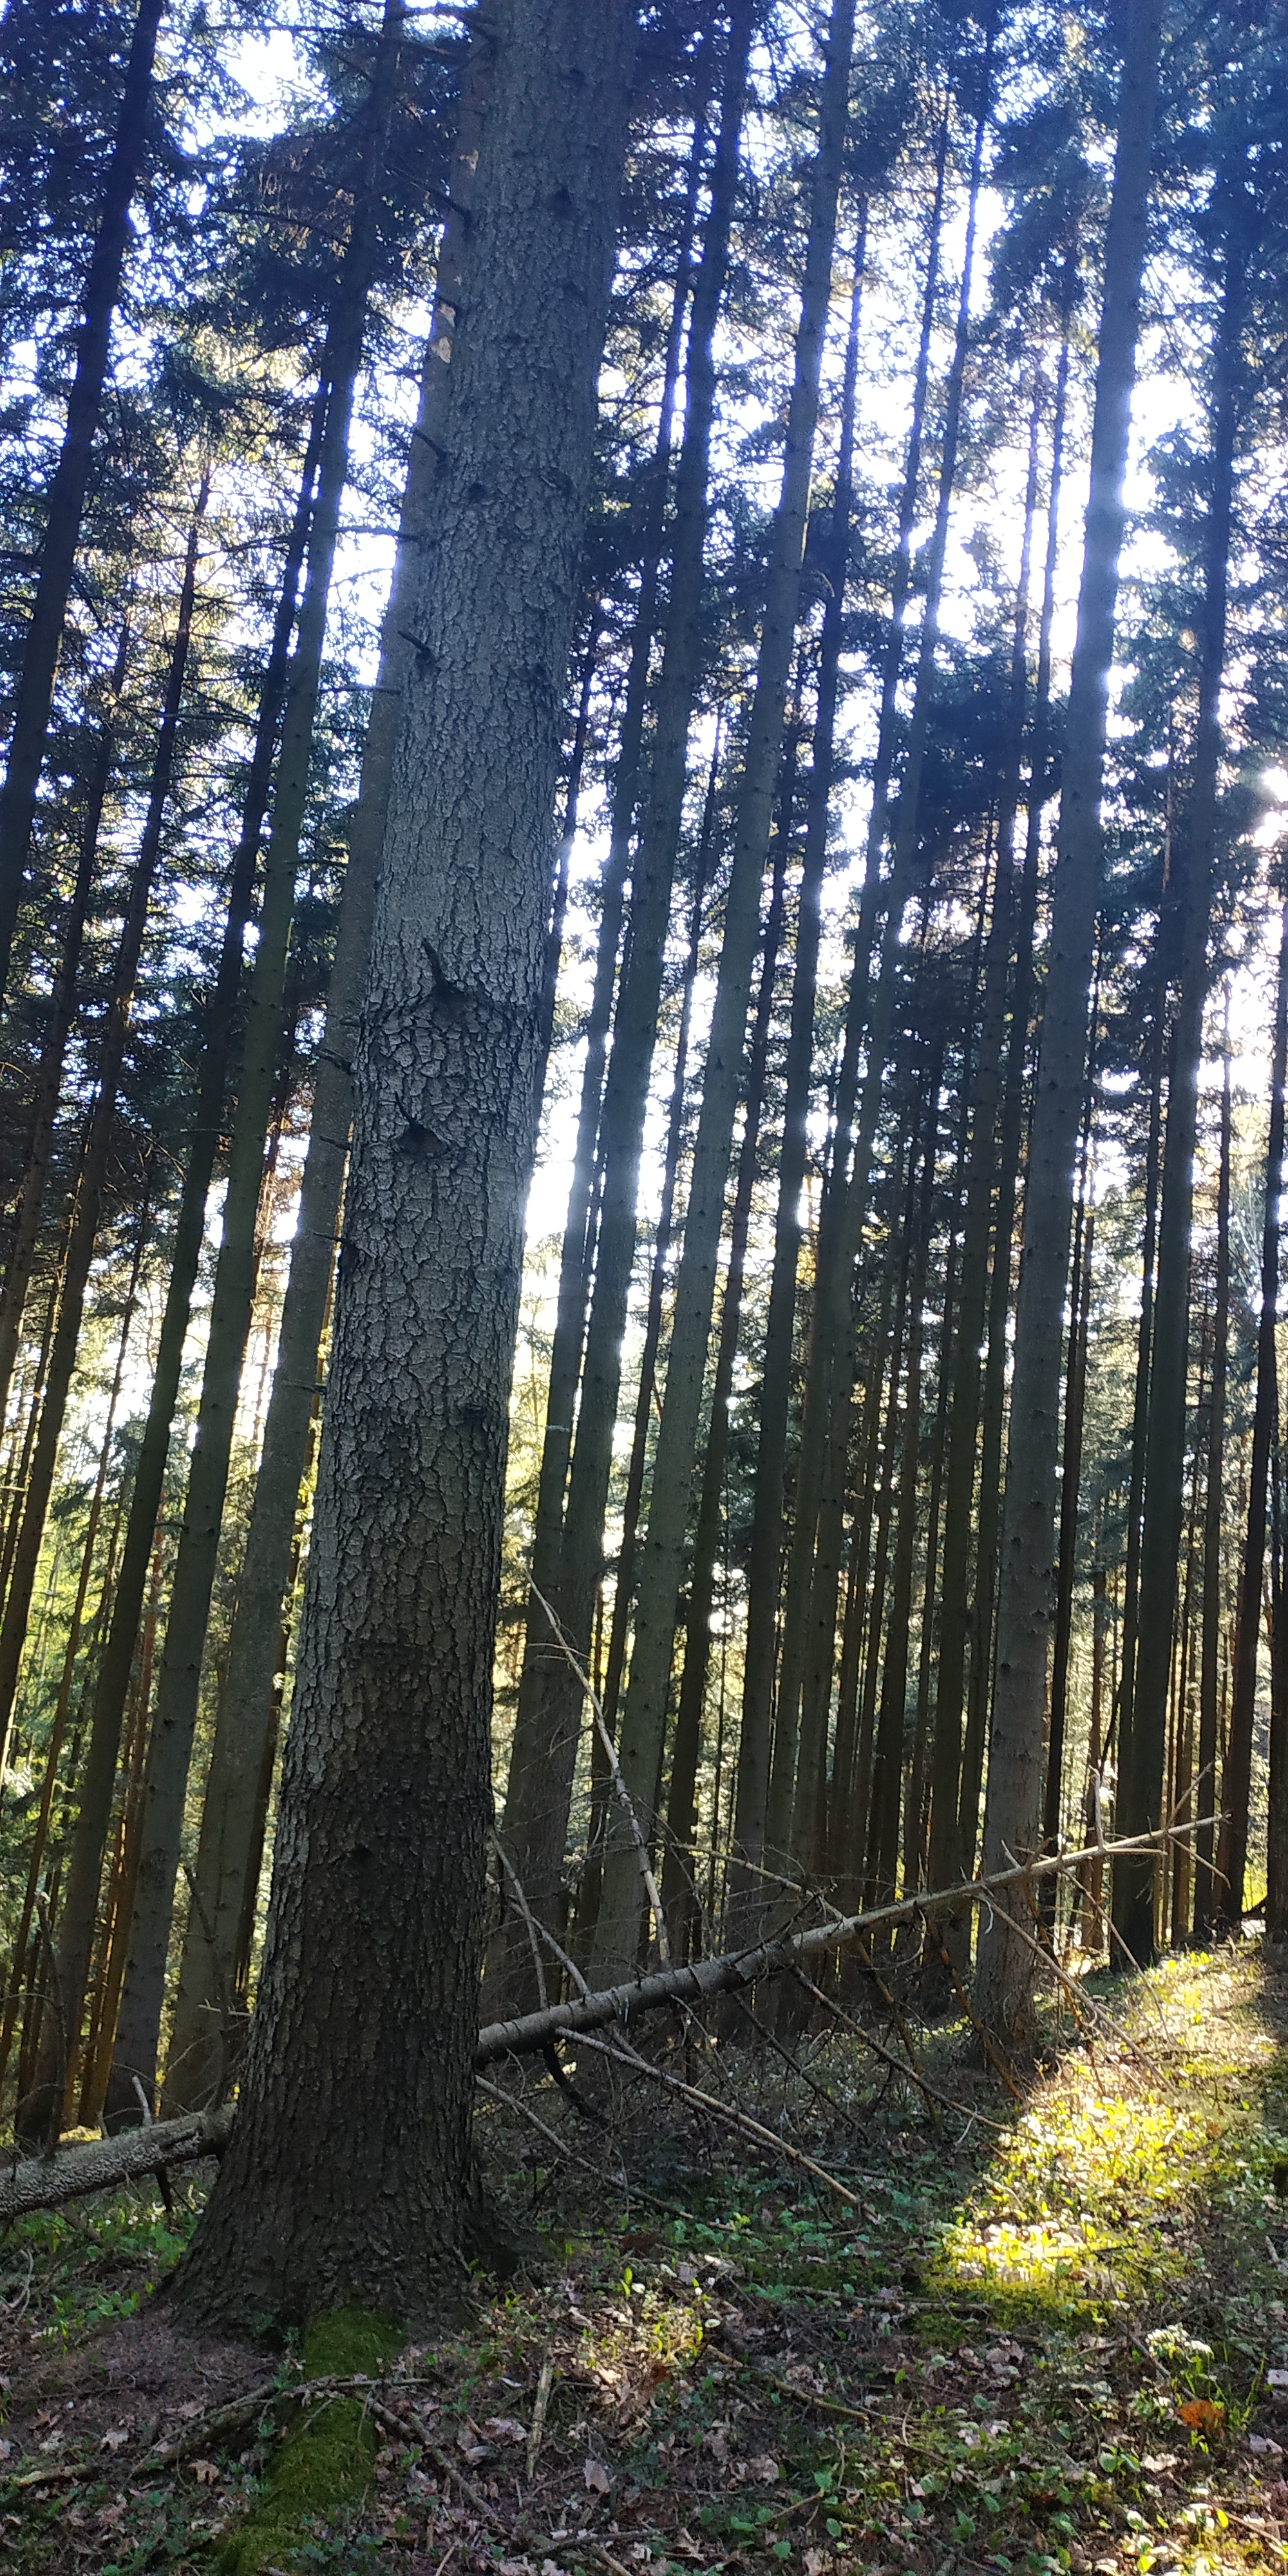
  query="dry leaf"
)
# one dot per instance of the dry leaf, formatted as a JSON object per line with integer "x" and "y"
{"x": 115, "y": 2438}
{"x": 1202, "y": 2414}
{"x": 504, "y": 2428}
{"x": 597, "y": 2477}
{"x": 205, "y": 2473}
{"x": 1264, "y": 2448}
{"x": 765, "y": 2467}
{"x": 817, "y": 2561}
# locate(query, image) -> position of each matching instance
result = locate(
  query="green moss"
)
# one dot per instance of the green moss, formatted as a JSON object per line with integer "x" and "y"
{"x": 326, "y": 2462}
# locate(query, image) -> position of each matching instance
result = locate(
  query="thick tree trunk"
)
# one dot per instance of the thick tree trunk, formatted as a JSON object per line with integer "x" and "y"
{"x": 645, "y": 1709}
{"x": 112, "y": 1685}
{"x": 249, "y": 1698}
{"x": 348, "y": 2173}
{"x": 1013, "y": 1810}
{"x": 93, "y": 1175}
{"x": 1141, "y": 1779}
{"x": 549, "y": 1719}
{"x": 44, "y": 636}
{"x": 192, "y": 1582}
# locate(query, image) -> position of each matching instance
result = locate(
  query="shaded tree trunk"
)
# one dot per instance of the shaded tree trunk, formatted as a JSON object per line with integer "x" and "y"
{"x": 1012, "y": 1819}
{"x": 360, "y": 2063}
{"x": 35, "y": 691}
{"x": 250, "y": 1696}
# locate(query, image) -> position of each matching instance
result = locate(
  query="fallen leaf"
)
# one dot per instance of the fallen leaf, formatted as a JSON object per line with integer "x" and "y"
{"x": 113, "y": 2440}
{"x": 817, "y": 2561}
{"x": 765, "y": 2467}
{"x": 504, "y": 2428}
{"x": 1202, "y": 2414}
{"x": 597, "y": 2477}
{"x": 205, "y": 2473}
{"x": 1264, "y": 2448}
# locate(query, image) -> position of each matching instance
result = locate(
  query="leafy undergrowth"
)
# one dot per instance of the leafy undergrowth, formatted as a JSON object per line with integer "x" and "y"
{"x": 1041, "y": 2341}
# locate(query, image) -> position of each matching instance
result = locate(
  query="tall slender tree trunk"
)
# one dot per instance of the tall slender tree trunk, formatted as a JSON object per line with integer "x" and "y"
{"x": 680, "y": 1860}
{"x": 1013, "y": 1810}
{"x": 23, "y": 1948}
{"x": 549, "y": 1718}
{"x": 192, "y": 1582}
{"x": 53, "y": 1050}
{"x": 1238, "y": 1775}
{"x": 366, "y": 2071}
{"x": 963, "y": 1419}
{"x": 94, "y": 1170}
{"x": 764, "y": 1559}
{"x": 112, "y": 1686}
{"x": 829, "y": 1380}
{"x": 1206, "y": 1897}
{"x": 645, "y": 1708}
{"x": 1140, "y": 1798}
{"x": 35, "y": 691}
{"x": 249, "y": 1698}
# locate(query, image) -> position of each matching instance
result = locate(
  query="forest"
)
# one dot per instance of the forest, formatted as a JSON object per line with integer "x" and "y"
{"x": 644, "y": 979}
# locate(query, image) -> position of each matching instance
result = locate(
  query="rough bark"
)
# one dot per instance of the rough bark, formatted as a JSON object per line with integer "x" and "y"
{"x": 198, "y": 2057}
{"x": 348, "y": 2173}
{"x": 1013, "y": 1808}
{"x": 35, "y": 691}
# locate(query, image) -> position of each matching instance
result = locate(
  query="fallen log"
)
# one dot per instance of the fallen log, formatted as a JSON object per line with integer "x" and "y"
{"x": 45, "y": 2182}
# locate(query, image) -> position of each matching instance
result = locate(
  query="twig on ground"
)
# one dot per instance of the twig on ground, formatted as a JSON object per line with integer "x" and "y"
{"x": 910, "y": 2073}
{"x": 719, "y": 2110}
{"x": 545, "y": 2382}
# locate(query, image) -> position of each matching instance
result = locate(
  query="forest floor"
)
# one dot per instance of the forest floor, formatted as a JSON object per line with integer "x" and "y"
{"x": 1039, "y": 2335}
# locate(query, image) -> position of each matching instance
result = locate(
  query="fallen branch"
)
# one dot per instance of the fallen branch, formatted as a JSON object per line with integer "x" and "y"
{"x": 45, "y": 2182}
{"x": 718, "y": 2110}
{"x": 703, "y": 1979}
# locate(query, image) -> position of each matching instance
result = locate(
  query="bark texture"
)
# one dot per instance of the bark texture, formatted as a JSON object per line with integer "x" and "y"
{"x": 348, "y": 2174}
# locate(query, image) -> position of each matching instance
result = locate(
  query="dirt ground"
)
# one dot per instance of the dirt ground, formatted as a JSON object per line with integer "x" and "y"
{"x": 1027, "y": 2335}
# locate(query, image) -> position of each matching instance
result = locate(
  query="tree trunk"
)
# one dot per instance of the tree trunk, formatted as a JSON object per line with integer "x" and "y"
{"x": 348, "y": 2173}
{"x": 35, "y": 691}
{"x": 49, "y": 1073}
{"x": 192, "y": 1581}
{"x": 1238, "y": 1773}
{"x": 1206, "y": 1902}
{"x": 680, "y": 1861}
{"x": 1141, "y": 1783}
{"x": 829, "y": 1382}
{"x": 549, "y": 1718}
{"x": 1013, "y": 1811}
{"x": 645, "y": 1709}
{"x": 249, "y": 1698}
{"x": 764, "y": 1558}
{"x": 112, "y": 1687}
{"x": 93, "y": 1176}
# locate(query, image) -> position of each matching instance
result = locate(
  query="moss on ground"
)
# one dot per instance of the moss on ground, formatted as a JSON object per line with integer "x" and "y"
{"x": 325, "y": 2464}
